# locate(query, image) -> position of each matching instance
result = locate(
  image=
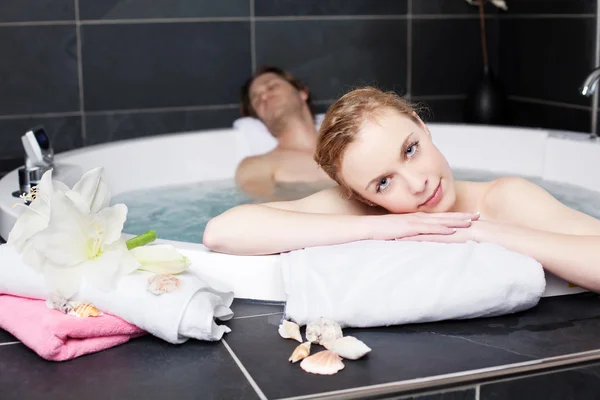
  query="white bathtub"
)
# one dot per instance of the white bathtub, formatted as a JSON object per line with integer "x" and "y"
{"x": 564, "y": 157}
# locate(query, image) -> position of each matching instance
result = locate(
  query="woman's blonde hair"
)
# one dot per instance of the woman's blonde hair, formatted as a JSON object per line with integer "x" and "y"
{"x": 345, "y": 118}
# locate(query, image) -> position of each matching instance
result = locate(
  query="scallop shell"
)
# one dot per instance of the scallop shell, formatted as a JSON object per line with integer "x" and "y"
{"x": 290, "y": 330}
{"x": 83, "y": 310}
{"x": 323, "y": 330}
{"x": 159, "y": 284}
{"x": 300, "y": 353}
{"x": 348, "y": 347}
{"x": 322, "y": 363}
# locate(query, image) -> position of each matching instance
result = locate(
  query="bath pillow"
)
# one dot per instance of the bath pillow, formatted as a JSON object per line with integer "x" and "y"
{"x": 253, "y": 137}
{"x": 378, "y": 283}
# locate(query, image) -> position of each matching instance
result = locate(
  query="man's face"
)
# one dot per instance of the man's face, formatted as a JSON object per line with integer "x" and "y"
{"x": 272, "y": 97}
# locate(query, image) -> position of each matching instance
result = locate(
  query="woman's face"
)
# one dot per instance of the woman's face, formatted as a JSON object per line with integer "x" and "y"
{"x": 394, "y": 164}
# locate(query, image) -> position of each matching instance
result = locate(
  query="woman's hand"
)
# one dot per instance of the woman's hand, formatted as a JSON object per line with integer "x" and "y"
{"x": 478, "y": 231}
{"x": 419, "y": 225}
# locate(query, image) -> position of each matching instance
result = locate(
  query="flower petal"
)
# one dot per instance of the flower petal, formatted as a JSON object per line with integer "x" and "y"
{"x": 27, "y": 225}
{"x": 160, "y": 259}
{"x": 113, "y": 219}
{"x": 105, "y": 270}
{"x": 64, "y": 241}
{"x": 93, "y": 190}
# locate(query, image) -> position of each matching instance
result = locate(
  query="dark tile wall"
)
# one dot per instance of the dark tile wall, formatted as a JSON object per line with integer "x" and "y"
{"x": 546, "y": 50}
{"x": 98, "y": 71}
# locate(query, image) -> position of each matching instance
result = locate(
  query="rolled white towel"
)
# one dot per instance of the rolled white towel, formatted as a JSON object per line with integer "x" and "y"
{"x": 379, "y": 283}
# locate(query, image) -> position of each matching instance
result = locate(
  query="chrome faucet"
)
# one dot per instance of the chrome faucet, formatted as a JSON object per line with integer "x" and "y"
{"x": 588, "y": 89}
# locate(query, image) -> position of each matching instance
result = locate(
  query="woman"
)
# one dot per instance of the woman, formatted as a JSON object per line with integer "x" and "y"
{"x": 394, "y": 184}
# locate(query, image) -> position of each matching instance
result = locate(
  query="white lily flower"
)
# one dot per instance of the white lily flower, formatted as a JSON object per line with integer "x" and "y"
{"x": 78, "y": 245}
{"x": 161, "y": 259}
{"x": 90, "y": 194}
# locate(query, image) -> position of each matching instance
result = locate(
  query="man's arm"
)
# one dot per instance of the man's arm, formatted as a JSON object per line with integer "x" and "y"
{"x": 255, "y": 176}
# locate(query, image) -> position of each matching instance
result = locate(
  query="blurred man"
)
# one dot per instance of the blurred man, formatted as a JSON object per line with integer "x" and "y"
{"x": 284, "y": 106}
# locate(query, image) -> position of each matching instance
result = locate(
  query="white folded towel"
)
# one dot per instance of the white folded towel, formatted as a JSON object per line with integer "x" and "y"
{"x": 380, "y": 283}
{"x": 188, "y": 312}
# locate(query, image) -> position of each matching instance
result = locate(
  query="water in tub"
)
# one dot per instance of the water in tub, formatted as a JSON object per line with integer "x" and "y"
{"x": 182, "y": 212}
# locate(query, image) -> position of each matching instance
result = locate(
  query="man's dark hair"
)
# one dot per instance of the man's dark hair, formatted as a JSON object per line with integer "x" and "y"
{"x": 246, "y": 108}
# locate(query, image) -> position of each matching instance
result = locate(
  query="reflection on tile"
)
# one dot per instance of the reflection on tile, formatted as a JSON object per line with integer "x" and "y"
{"x": 138, "y": 9}
{"x": 334, "y": 57}
{"x": 164, "y": 65}
{"x": 40, "y": 74}
{"x": 397, "y": 354}
{"x": 329, "y": 7}
{"x": 6, "y": 337}
{"x": 448, "y": 58}
{"x": 547, "y": 58}
{"x": 246, "y": 308}
{"x": 550, "y": 117}
{"x": 580, "y": 383}
{"x": 36, "y": 10}
{"x": 107, "y": 128}
{"x": 64, "y": 132}
{"x": 142, "y": 368}
{"x": 556, "y": 326}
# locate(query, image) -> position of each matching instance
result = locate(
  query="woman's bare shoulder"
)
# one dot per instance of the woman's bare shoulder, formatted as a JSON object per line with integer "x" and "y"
{"x": 327, "y": 201}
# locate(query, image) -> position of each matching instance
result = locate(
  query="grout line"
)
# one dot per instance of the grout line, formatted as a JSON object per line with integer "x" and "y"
{"x": 80, "y": 74}
{"x": 162, "y": 20}
{"x": 165, "y": 109}
{"x": 36, "y": 23}
{"x": 325, "y": 102}
{"x": 42, "y": 115}
{"x": 252, "y": 37}
{"x": 8, "y": 343}
{"x": 545, "y": 16}
{"x": 449, "y": 16}
{"x": 477, "y": 392}
{"x": 409, "y": 51}
{"x": 258, "y": 315}
{"x": 244, "y": 371}
{"x": 286, "y": 18}
{"x": 548, "y": 103}
{"x": 123, "y": 111}
{"x": 330, "y": 17}
{"x": 439, "y": 97}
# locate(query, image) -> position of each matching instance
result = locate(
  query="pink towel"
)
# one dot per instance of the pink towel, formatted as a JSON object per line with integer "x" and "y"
{"x": 58, "y": 337}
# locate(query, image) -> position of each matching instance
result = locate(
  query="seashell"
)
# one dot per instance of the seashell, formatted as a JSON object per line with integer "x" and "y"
{"x": 83, "y": 310}
{"x": 59, "y": 303}
{"x": 348, "y": 347}
{"x": 322, "y": 363}
{"x": 301, "y": 352}
{"x": 290, "y": 330}
{"x": 159, "y": 284}
{"x": 323, "y": 330}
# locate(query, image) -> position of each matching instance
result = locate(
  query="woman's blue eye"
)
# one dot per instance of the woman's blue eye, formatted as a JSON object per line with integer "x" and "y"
{"x": 411, "y": 150}
{"x": 384, "y": 183}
